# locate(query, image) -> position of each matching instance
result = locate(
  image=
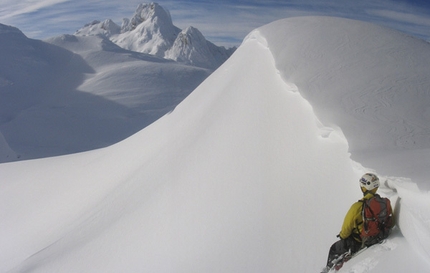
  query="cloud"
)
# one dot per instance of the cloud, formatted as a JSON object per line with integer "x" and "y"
{"x": 227, "y": 22}
{"x": 224, "y": 22}
{"x": 56, "y": 17}
{"x": 412, "y": 23}
{"x": 402, "y": 17}
{"x": 12, "y": 8}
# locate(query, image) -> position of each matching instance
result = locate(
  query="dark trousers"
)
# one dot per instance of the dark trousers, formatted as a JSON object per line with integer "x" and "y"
{"x": 342, "y": 246}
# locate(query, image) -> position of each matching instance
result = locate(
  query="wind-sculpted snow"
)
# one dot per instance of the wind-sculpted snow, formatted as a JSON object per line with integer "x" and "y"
{"x": 250, "y": 173}
{"x": 374, "y": 85}
{"x": 413, "y": 214}
{"x": 369, "y": 80}
{"x": 373, "y": 81}
{"x": 208, "y": 188}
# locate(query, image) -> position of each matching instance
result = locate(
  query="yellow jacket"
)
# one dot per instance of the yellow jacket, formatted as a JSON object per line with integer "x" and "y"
{"x": 353, "y": 222}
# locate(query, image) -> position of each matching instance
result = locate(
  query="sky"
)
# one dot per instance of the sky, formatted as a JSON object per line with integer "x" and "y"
{"x": 223, "y": 22}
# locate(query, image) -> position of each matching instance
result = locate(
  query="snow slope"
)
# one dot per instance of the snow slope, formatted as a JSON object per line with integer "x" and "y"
{"x": 71, "y": 94}
{"x": 244, "y": 175}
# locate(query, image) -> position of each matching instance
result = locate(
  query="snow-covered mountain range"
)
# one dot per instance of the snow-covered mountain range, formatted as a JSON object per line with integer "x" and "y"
{"x": 252, "y": 172}
{"x": 151, "y": 31}
{"x": 121, "y": 78}
{"x": 71, "y": 93}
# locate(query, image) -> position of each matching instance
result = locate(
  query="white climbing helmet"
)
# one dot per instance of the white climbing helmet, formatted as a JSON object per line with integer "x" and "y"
{"x": 369, "y": 181}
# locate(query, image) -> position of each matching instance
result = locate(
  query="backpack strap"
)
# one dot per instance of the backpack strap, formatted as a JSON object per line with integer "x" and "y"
{"x": 363, "y": 216}
{"x": 362, "y": 210}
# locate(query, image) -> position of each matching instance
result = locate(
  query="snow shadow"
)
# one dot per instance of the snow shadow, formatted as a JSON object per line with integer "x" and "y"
{"x": 42, "y": 112}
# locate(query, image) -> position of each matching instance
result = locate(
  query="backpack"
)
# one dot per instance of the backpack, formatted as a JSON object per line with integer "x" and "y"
{"x": 377, "y": 220}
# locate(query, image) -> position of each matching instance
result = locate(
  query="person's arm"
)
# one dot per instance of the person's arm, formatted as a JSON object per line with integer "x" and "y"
{"x": 350, "y": 221}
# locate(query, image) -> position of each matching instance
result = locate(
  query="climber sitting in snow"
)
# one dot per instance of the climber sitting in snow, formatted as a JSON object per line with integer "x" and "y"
{"x": 368, "y": 221}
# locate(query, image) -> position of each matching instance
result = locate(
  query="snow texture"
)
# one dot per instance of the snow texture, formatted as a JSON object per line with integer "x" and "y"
{"x": 252, "y": 172}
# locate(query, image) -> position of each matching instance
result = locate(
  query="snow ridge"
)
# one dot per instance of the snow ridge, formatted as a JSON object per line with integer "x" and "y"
{"x": 248, "y": 174}
{"x": 151, "y": 30}
{"x": 362, "y": 81}
{"x": 384, "y": 117}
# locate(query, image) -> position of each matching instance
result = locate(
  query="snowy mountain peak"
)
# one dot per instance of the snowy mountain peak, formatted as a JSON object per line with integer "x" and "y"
{"x": 191, "y": 47}
{"x": 106, "y": 28}
{"x": 151, "y": 13}
{"x": 151, "y": 31}
{"x": 191, "y": 34}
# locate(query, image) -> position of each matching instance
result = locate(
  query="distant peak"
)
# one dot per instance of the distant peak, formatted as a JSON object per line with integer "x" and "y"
{"x": 4, "y": 29}
{"x": 95, "y": 22}
{"x": 191, "y": 34}
{"x": 106, "y": 28}
{"x": 150, "y": 30}
{"x": 151, "y": 12}
{"x": 192, "y": 30}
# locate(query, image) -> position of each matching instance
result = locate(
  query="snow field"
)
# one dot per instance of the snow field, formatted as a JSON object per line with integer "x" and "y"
{"x": 249, "y": 173}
